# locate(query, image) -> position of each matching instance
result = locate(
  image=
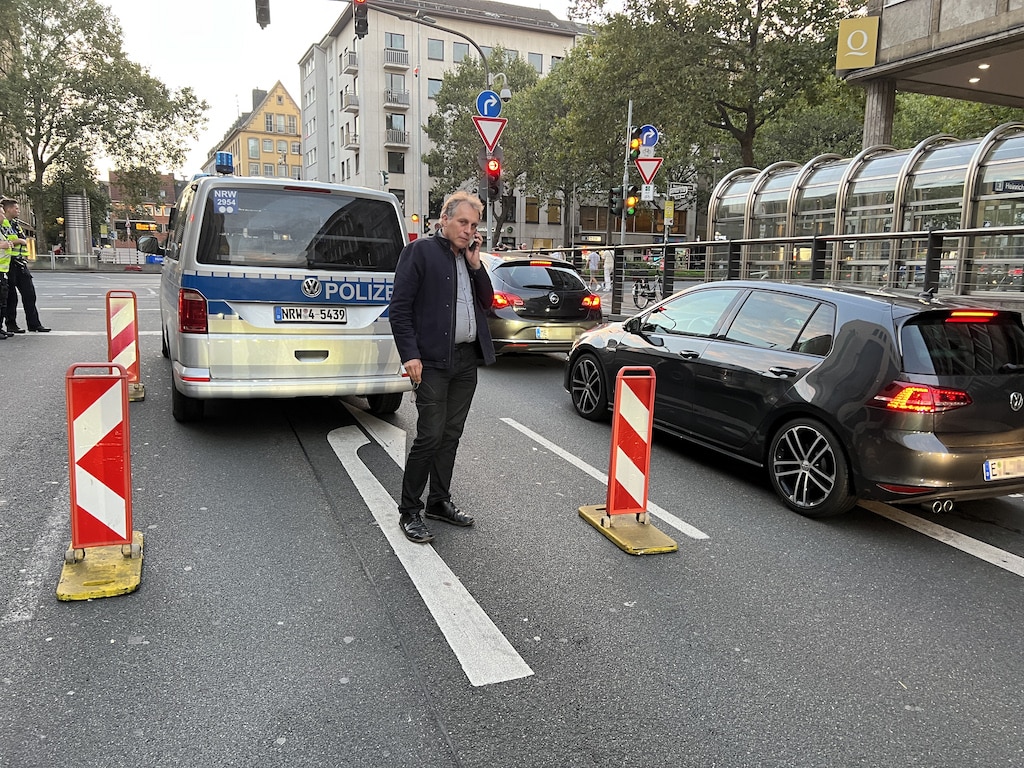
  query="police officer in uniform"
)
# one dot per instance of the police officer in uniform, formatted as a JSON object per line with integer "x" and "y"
{"x": 20, "y": 276}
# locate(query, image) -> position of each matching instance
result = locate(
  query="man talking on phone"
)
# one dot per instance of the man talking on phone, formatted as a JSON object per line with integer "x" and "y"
{"x": 439, "y": 320}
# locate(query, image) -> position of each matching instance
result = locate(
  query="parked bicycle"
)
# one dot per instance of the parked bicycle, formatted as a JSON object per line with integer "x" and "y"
{"x": 645, "y": 290}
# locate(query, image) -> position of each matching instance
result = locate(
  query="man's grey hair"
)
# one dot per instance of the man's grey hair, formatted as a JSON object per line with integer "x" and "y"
{"x": 455, "y": 199}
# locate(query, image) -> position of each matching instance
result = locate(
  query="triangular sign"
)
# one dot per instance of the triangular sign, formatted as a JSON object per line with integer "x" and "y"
{"x": 490, "y": 129}
{"x": 648, "y": 166}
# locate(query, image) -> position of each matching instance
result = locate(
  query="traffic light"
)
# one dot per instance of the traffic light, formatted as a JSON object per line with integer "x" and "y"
{"x": 263, "y": 13}
{"x": 632, "y": 199}
{"x": 359, "y": 14}
{"x": 415, "y": 222}
{"x": 492, "y": 169}
{"x": 634, "y": 143}
{"x": 615, "y": 201}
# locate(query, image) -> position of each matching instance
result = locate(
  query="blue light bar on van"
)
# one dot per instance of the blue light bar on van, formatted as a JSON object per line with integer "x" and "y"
{"x": 225, "y": 163}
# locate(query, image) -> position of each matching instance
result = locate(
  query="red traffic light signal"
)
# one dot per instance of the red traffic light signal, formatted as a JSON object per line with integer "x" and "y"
{"x": 492, "y": 169}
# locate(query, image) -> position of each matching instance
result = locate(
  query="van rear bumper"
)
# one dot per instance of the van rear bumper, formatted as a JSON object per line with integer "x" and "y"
{"x": 195, "y": 382}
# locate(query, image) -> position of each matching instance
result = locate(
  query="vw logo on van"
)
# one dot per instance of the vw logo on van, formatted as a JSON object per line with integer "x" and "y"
{"x": 311, "y": 287}
{"x": 1016, "y": 401}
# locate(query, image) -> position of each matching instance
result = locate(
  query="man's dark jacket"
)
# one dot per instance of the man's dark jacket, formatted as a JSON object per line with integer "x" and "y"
{"x": 422, "y": 311}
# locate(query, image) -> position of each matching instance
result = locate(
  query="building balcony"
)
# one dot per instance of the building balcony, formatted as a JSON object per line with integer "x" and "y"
{"x": 350, "y": 103}
{"x": 350, "y": 141}
{"x": 395, "y": 58}
{"x": 396, "y": 138}
{"x": 350, "y": 63}
{"x": 395, "y": 99}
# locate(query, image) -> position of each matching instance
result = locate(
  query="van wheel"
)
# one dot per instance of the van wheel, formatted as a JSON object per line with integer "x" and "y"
{"x": 382, "y": 405}
{"x": 185, "y": 408}
{"x": 808, "y": 469}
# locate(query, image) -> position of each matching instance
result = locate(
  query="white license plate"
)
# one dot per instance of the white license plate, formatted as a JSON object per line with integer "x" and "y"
{"x": 554, "y": 333}
{"x": 997, "y": 469}
{"x": 309, "y": 315}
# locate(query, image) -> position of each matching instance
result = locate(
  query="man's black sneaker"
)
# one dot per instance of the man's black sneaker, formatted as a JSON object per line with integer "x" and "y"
{"x": 40, "y": 329}
{"x": 414, "y": 529}
{"x": 11, "y": 330}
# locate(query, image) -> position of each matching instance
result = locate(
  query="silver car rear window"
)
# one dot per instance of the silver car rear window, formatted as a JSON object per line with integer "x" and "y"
{"x": 299, "y": 228}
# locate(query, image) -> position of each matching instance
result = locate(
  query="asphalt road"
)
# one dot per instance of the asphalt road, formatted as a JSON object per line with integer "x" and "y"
{"x": 281, "y": 622}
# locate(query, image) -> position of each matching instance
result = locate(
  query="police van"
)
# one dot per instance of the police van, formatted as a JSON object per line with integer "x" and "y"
{"x": 279, "y": 288}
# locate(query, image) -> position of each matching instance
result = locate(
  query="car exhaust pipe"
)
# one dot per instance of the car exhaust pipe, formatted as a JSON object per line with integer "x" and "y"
{"x": 942, "y": 505}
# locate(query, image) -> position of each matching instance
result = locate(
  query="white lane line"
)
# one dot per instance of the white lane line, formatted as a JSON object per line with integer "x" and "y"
{"x": 680, "y": 525}
{"x": 979, "y": 549}
{"x": 28, "y": 589}
{"x": 485, "y": 654}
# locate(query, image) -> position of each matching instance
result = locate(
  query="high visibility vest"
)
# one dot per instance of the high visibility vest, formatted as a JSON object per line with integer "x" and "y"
{"x": 9, "y": 233}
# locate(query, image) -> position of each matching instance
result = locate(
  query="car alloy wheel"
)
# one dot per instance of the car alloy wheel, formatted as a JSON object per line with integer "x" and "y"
{"x": 587, "y": 389}
{"x": 808, "y": 469}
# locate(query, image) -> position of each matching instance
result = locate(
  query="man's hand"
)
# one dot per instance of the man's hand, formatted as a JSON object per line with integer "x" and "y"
{"x": 473, "y": 252}
{"x": 414, "y": 368}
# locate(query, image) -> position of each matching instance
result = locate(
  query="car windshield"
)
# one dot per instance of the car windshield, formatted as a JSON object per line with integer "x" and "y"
{"x": 542, "y": 277}
{"x": 934, "y": 345}
{"x": 299, "y": 228}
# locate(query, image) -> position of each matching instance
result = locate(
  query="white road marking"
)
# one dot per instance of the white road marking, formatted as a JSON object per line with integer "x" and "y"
{"x": 979, "y": 549}
{"x": 485, "y": 654}
{"x": 680, "y": 525}
{"x": 29, "y": 587}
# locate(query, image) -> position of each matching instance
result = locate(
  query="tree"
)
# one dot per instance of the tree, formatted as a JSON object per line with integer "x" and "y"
{"x": 67, "y": 87}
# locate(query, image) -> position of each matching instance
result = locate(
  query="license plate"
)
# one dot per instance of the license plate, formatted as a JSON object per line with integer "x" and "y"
{"x": 997, "y": 469}
{"x": 309, "y": 314}
{"x": 555, "y": 333}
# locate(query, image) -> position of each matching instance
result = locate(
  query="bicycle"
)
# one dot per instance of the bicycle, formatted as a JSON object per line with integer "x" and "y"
{"x": 644, "y": 290}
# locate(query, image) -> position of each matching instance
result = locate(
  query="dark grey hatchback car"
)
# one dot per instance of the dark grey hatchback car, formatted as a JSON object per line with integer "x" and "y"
{"x": 839, "y": 393}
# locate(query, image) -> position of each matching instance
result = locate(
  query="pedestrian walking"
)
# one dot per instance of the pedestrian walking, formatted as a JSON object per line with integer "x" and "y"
{"x": 439, "y": 321}
{"x": 609, "y": 265}
{"x": 594, "y": 262}
{"x": 19, "y": 276}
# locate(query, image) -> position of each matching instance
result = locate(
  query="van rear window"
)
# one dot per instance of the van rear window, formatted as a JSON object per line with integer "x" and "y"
{"x": 299, "y": 228}
{"x": 932, "y": 344}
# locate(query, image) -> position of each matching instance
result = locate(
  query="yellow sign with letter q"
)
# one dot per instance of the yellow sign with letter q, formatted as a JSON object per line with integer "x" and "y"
{"x": 858, "y": 41}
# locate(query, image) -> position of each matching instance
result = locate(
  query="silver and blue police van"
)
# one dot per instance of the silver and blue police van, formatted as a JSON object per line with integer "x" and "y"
{"x": 279, "y": 288}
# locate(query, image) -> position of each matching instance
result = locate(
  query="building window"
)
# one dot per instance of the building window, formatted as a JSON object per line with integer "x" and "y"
{"x": 394, "y": 40}
{"x": 296, "y": 148}
{"x": 536, "y": 60}
{"x": 400, "y": 194}
{"x": 268, "y": 122}
{"x": 282, "y": 170}
{"x": 280, "y": 99}
{"x": 433, "y": 86}
{"x": 556, "y": 60}
{"x": 488, "y": 50}
{"x": 435, "y": 49}
{"x": 280, "y": 123}
{"x": 254, "y": 149}
{"x": 394, "y": 121}
{"x": 268, "y": 145}
{"x": 254, "y": 169}
{"x": 508, "y": 204}
{"x": 459, "y": 51}
{"x": 297, "y": 172}
{"x": 532, "y": 211}
{"x": 554, "y": 211}
{"x": 282, "y": 147}
{"x": 268, "y": 169}
{"x": 293, "y": 125}
{"x": 396, "y": 162}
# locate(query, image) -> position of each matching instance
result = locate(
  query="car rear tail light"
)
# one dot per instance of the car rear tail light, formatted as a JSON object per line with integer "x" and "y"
{"x": 971, "y": 316}
{"x": 504, "y": 300}
{"x": 921, "y": 398}
{"x": 540, "y": 263}
{"x": 592, "y": 301}
{"x": 191, "y": 312}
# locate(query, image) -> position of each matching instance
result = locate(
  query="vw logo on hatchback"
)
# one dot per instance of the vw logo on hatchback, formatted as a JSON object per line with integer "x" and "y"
{"x": 1016, "y": 401}
{"x": 311, "y": 287}
{"x": 554, "y": 298}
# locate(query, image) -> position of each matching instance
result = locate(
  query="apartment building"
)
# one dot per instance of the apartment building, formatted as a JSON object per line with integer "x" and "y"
{"x": 365, "y": 100}
{"x": 264, "y": 141}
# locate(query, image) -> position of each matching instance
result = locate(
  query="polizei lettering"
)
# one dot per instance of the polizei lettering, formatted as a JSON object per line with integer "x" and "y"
{"x": 359, "y": 293}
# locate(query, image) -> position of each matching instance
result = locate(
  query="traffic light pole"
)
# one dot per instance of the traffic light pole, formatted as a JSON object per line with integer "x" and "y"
{"x": 625, "y": 174}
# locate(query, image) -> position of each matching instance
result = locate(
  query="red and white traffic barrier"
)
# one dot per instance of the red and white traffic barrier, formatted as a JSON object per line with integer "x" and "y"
{"x": 123, "y": 338}
{"x": 632, "y": 425}
{"x": 99, "y": 456}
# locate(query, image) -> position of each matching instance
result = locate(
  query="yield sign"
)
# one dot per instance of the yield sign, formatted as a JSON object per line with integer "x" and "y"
{"x": 648, "y": 166}
{"x": 490, "y": 129}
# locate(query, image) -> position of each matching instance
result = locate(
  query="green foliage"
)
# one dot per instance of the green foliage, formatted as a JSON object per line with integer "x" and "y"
{"x": 919, "y": 116}
{"x": 67, "y": 89}
{"x": 72, "y": 174}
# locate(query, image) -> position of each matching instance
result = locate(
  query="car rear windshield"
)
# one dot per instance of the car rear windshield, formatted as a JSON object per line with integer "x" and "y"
{"x": 942, "y": 344}
{"x": 542, "y": 277}
{"x": 299, "y": 228}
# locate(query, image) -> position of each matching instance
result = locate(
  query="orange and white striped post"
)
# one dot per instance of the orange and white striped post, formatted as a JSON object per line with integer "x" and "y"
{"x": 123, "y": 338}
{"x": 99, "y": 458}
{"x": 629, "y": 468}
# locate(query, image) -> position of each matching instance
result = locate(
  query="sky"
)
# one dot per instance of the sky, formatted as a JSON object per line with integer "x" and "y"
{"x": 217, "y": 48}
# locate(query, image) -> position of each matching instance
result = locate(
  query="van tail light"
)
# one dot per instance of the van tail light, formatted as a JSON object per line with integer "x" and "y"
{"x": 592, "y": 301}
{"x": 504, "y": 300}
{"x": 191, "y": 312}
{"x": 921, "y": 398}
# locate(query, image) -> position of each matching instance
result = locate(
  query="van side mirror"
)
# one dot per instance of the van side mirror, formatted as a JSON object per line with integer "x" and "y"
{"x": 149, "y": 244}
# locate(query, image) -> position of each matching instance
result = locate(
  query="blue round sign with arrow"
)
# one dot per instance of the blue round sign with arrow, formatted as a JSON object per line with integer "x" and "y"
{"x": 488, "y": 104}
{"x": 649, "y": 135}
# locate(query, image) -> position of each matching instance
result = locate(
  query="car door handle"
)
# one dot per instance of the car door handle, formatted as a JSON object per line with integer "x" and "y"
{"x": 689, "y": 354}
{"x": 784, "y": 373}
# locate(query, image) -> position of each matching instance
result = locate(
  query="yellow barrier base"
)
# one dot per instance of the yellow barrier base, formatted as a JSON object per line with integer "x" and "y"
{"x": 629, "y": 535}
{"x": 103, "y": 572}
